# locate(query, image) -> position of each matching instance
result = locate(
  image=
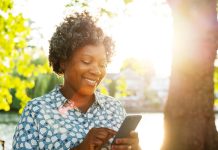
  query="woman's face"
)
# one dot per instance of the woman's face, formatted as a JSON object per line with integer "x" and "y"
{"x": 84, "y": 70}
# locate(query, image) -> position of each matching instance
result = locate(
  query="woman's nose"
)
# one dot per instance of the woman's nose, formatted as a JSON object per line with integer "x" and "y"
{"x": 95, "y": 70}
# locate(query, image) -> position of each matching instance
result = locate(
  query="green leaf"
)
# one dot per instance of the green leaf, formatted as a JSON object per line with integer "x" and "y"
{"x": 127, "y": 1}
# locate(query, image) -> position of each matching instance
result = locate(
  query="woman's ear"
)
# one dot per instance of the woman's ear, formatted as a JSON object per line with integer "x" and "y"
{"x": 62, "y": 65}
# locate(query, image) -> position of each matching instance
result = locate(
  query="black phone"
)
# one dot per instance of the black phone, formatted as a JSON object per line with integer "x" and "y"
{"x": 130, "y": 123}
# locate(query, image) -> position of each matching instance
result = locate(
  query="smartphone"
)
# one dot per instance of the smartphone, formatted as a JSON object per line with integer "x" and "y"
{"x": 130, "y": 123}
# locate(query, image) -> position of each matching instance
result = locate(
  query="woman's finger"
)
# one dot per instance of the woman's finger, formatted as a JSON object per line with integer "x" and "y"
{"x": 127, "y": 141}
{"x": 121, "y": 147}
{"x": 134, "y": 134}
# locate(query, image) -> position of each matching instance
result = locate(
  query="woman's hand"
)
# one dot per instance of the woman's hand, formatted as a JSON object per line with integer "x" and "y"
{"x": 96, "y": 138}
{"x": 131, "y": 143}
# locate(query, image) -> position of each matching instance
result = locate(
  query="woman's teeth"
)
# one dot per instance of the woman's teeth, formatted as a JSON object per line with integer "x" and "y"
{"x": 91, "y": 82}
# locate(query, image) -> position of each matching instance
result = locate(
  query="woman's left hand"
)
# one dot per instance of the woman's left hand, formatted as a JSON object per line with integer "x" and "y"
{"x": 131, "y": 143}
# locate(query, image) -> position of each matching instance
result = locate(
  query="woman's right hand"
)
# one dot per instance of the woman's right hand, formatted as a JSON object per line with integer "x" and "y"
{"x": 96, "y": 138}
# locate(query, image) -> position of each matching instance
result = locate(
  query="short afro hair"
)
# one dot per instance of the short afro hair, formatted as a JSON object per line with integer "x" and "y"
{"x": 76, "y": 31}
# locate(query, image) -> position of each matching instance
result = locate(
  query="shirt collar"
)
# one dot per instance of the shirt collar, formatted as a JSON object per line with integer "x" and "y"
{"x": 99, "y": 99}
{"x": 60, "y": 99}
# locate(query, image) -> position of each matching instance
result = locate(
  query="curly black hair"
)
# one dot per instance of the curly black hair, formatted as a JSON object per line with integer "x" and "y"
{"x": 76, "y": 31}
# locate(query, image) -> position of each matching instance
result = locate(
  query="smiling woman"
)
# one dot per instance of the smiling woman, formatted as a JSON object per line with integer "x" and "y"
{"x": 136, "y": 36}
{"x": 74, "y": 115}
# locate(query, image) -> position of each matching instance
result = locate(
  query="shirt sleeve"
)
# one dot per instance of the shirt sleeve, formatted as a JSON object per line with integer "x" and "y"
{"x": 26, "y": 133}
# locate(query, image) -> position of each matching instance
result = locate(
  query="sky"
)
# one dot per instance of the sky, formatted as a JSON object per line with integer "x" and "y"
{"x": 145, "y": 33}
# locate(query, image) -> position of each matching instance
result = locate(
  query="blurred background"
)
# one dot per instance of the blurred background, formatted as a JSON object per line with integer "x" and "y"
{"x": 138, "y": 75}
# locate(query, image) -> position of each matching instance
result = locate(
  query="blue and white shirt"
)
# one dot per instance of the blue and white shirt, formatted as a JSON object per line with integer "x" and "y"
{"x": 42, "y": 126}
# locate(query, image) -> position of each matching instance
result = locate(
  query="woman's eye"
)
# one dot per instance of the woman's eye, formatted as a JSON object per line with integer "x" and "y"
{"x": 86, "y": 62}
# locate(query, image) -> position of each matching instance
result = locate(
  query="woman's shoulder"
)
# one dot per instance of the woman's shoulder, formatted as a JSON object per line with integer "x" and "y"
{"x": 37, "y": 100}
{"x": 47, "y": 97}
{"x": 35, "y": 103}
{"x": 111, "y": 105}
{"x": 40, "y": 101}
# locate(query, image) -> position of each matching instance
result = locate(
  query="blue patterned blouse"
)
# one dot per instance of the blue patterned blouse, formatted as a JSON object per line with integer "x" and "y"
{"x": 43, "y": 126}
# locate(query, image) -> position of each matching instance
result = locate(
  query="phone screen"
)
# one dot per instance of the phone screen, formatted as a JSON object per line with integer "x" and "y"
{"x": 130, "y": 123}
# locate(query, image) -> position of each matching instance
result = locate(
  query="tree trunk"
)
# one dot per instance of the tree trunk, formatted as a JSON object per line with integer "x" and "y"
{"x": 189, "y": 119}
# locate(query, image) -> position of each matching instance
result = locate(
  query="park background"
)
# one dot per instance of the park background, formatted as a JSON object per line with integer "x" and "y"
{"x": 139, "y": 75}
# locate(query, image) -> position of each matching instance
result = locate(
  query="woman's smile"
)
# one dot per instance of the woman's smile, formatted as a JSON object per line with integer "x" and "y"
{"x": 91, "y": 82}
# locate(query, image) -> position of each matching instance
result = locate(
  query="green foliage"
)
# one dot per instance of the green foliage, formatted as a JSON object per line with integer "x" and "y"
{"x": 101, "y": 8}
{"x": 44, "y": 83}
{"x": 141, "y": 67}
{"x": 136, "y": 65}
{"x": 151, "y": 95}
{"x": 112, "y": 88}
{"x": 5, "y": 5}
{"x": 121, "y": 88}
{"x": 116, "y": 88}
{"x": 78, "y": 4}
{"x": 16, "y": 69}
{"x": 128, "y": 1}
{"x": 216, "y": 79}
{"x": 103, "y": 86}
{"x": 144, "y": 69}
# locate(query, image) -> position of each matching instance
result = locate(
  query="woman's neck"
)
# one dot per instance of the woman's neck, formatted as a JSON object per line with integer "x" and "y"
{"x": 82, "y": 102}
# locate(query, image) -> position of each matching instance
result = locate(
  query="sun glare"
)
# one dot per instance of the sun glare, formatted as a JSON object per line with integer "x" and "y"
{"x": 143, "y": 35}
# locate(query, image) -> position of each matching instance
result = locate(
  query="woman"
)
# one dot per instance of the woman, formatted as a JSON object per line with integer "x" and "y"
{"x": 74, "y": 115}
